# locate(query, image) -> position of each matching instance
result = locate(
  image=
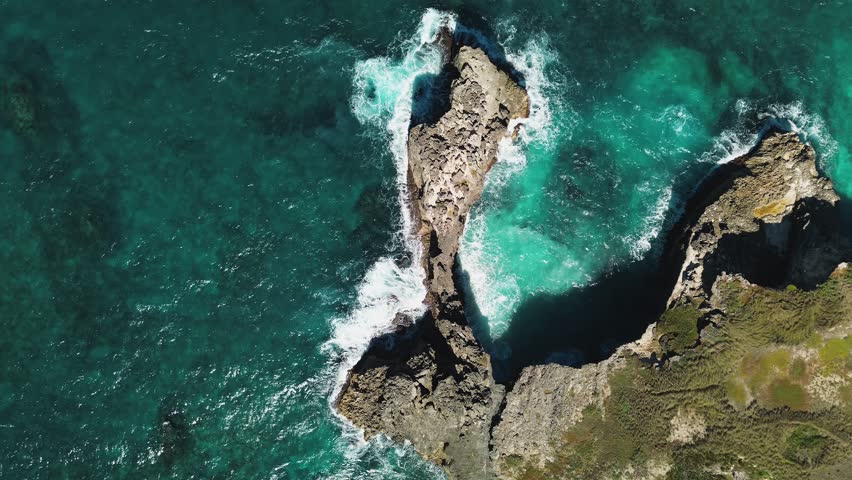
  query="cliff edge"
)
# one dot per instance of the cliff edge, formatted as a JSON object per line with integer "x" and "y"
{"x": 431, "y": 383}
{"x": 748, "y": 372}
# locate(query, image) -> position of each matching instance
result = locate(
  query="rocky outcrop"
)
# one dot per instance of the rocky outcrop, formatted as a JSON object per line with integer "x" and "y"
{"x": 536, "y": 410}
{"x": 759, "y": 220}
{"x": 431, "y": 383}
{"x": 758, "y": 217}
{"x": 763, "y": 201}
{"x": 448, "y": 161}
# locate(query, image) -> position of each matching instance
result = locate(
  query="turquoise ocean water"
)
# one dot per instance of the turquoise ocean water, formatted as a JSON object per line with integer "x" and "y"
{"x": 201, "y": 217}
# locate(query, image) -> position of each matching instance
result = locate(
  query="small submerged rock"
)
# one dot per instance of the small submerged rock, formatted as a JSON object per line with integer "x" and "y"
{"x": 173, "y": 434}
{"x": 17, "y": 103}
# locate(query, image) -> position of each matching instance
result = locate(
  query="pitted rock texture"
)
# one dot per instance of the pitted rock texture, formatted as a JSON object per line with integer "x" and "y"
{"x": 765, "y": 201}
{"x": 544, "y": 402}
{"x": 432, "y": 383}
{"x": 766, "y": 196}
{"x": 447, "y": 162}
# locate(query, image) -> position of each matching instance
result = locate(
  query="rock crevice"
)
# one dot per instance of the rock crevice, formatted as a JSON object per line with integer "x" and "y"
{"x": 432, "y": 383}
{"x": 764, "y": 210}
{"x": 759, "y": 217}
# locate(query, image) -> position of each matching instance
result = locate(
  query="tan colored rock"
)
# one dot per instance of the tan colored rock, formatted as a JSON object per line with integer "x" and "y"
{"x": 546, "y": 401}
{"x": 434, "y": 385}
{"x": 756, "y": 193}
{"x": 761, "y": 201}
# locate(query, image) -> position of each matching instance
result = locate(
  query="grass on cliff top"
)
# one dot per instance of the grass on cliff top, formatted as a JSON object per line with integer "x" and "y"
{"x": 677, "y": 329}
{"x": 769, "y": 388}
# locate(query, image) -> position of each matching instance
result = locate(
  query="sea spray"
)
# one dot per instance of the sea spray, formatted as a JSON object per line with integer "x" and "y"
{"x": 752, "y": 123}
{"x": 755, "y": 117}
{"x": 652, "y": 223}
{"x": 494, "y": 290}
{"x": 383, "y": 101}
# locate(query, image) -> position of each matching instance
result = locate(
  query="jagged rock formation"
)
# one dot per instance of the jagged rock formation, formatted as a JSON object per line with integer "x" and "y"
{"x": 547, "y": 400}
{"x": 759, "y": 220}
{"x": 753, "y": 218}
{"x": 758, "y": 217}
{"x": 448, "y": 161}
{"x": 432, "y": 383}
{"x": 769, "y": 195}
{"x": 536, "y": 409}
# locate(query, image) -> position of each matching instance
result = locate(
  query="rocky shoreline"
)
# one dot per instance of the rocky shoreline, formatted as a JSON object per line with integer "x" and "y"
{"x": 755, "y": 221}
{"x": 431, "y": 383}
{"x": 765, "y": 201}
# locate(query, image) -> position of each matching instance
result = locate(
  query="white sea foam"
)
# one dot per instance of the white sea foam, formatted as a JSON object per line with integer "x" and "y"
{"x": 382, "y": 101}
{"x": 382, "y": 98}
{"x": 742, "y": 137}
{"x": 809, "y": 125}
{"x": 652, "y": 224}
{"x": 735, "y": 142}
{"x": 495, "y": 291}
{"x": 387, "y": 460}
{"x": 387, "y": 289}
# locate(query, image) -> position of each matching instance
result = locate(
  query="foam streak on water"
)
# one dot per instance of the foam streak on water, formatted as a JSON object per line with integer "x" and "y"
{"x": 382, "y": 102}
{"x": 383, "y": 88}
{"x": 495, "y": 291}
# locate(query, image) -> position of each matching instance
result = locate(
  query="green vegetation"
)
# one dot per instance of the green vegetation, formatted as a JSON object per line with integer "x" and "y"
{"x": 737, "y": 393}
{"x": 799, "y": 370}
{"x": 752, "y": 387}
{"x": 836, "y": 350}
{"x": 806, "y": 445}
{"x": 678, "y": 329}
{"x": 785, "y": 393}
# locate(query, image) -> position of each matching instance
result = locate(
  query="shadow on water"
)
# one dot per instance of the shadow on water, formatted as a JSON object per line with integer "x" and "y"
{"x": 587, "y": 324}
{"x": 474, "y": 30}
{"x": 431, "y": 96}
{"x": 579, "y": 326}
{"x": 431, "y": 92}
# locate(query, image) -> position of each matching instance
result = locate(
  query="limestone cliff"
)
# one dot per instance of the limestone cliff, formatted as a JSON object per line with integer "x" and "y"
{"x": 747, "y": 373}
{"x": 432, "y": 383}
{"x": 768, "y": 194}
{"x": 727, "y": 359}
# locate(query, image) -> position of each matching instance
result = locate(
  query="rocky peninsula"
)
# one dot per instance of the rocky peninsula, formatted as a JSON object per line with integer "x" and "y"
{"x": 432, "y": 383}
{"x": 735, "y": 380}
{"x": 747, "y": 373}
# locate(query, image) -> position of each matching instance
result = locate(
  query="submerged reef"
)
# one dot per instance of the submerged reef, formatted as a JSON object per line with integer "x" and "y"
{"x": 745, "y": 375}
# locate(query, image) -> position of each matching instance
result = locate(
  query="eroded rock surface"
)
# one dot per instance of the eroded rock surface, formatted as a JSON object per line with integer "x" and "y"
{"x": 547, "y": 400}
{"x": 755, "y": 217}
{"x": 432, "y": 383}
{"x": 766, "y": 196}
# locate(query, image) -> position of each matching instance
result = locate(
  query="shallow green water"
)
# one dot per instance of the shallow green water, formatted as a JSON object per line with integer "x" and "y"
{"x": 199, "y": 225}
